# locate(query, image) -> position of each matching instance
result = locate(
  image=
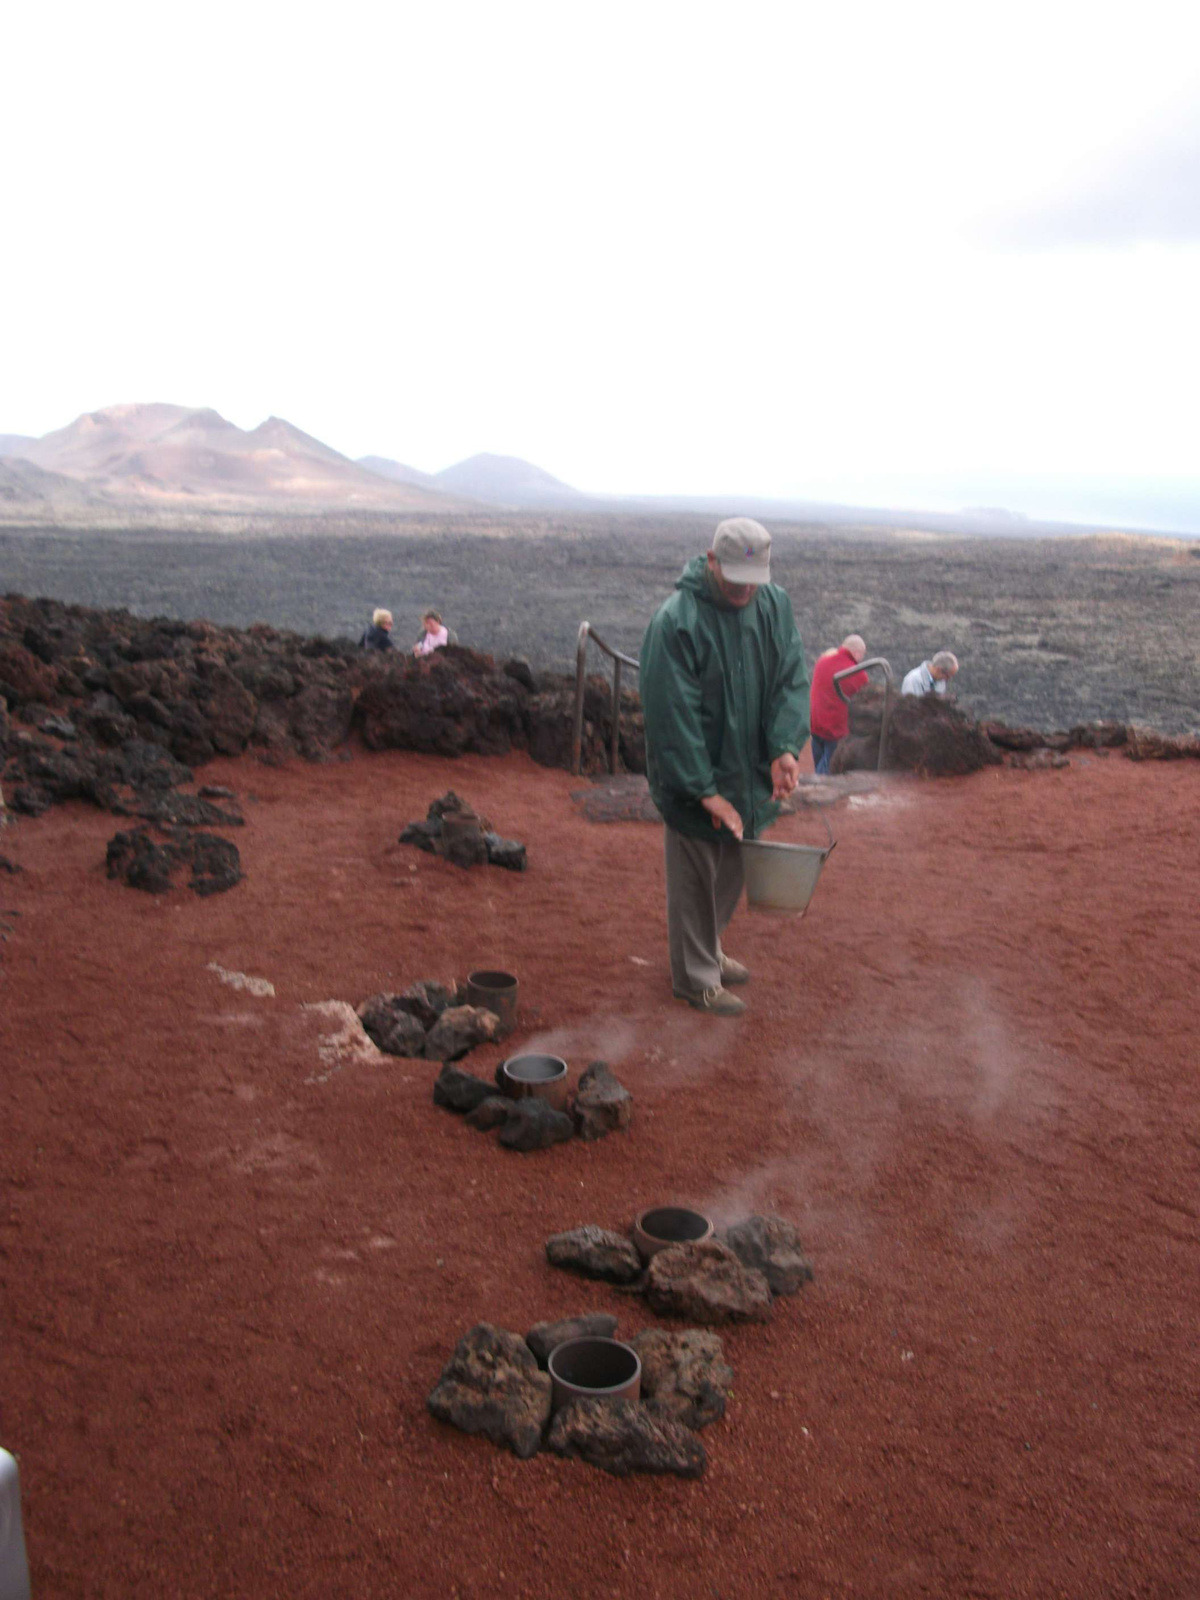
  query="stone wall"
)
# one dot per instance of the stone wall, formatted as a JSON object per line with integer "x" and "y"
{"x": 84, "y": 692}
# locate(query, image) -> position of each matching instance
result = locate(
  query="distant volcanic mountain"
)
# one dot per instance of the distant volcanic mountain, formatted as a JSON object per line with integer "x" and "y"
{"x": 398, "y": 472}
{"x": 494, "y": 480}
{"x": 173, "y": 454}
{"x": 507, "y": 481}
{"x": 22, "y": 485}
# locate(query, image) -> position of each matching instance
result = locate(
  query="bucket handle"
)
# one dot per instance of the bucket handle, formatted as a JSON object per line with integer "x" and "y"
{"x": 828, "y": 829}
{"x": 820, "y": 810}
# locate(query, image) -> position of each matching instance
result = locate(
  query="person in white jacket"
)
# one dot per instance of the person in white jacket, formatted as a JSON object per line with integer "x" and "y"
{"x": 931, "y": 677}
{"x": 435, "y": 637}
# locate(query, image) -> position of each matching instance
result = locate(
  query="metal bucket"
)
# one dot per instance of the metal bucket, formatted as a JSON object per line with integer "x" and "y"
{"x": 495, "y": 991}
{"x": 782, "y": 877}
{"x": 14, "y": 1569}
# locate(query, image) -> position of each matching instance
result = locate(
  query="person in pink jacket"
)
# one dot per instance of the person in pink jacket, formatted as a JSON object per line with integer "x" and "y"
{"x": 434, "y": 637}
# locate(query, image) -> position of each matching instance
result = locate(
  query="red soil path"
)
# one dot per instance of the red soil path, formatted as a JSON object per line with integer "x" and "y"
{"x": 233, "y": 1269}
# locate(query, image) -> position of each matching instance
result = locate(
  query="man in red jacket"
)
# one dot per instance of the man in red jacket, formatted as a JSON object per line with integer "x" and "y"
{"x": 830, "y": 714}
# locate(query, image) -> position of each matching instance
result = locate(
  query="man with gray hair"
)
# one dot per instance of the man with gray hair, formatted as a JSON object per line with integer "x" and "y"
{"x": 931, "y": 677}
{"x": 830, "y": 715}
{"x": 725, "y": 696}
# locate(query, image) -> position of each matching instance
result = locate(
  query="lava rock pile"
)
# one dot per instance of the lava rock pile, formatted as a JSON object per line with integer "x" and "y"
{"x": 933, "y": 736}
{"x": 496, "y": 1383}
{"x": 453, "y": 830}
{"x": 929, "y": 734}
{"x": 429, "y": 1019}
{"x": 600, "y": 1105}
{"x": 145, "y": 862}
{"x": 736, "y": 1276}
{"x": 76, "y": 683}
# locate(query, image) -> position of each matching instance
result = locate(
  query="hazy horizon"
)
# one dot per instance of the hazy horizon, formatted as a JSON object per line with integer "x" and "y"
{"x": 807, "y": 254}
{"x": 1163, "y": 506}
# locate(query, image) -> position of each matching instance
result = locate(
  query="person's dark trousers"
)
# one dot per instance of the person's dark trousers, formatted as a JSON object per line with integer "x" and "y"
{"x": 822, "y": 750}
{"x": 704, "y": 884}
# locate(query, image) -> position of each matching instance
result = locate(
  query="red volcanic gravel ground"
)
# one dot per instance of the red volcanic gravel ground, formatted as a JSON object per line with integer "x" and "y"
{"x": 234, "y": 1260}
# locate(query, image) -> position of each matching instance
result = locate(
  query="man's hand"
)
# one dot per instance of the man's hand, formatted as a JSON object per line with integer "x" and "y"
{"x": 785, "y": 774}
{"x": 723, "y": 814}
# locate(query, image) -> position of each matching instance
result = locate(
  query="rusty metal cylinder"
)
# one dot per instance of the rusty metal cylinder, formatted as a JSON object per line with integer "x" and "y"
{"x": 594, "y": 1369}
{"x": 495, "y": 991}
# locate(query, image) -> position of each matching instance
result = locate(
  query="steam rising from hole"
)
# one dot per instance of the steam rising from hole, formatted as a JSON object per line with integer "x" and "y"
{"x": 603, "y": 1037}
{"x": 854, "y": 1096}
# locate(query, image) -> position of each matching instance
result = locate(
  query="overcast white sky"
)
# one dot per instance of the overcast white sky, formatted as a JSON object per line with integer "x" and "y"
{"x": 654, "y": 247}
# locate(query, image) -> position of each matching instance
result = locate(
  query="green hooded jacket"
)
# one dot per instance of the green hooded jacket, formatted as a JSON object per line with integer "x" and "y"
{"x": 724, "y": 692}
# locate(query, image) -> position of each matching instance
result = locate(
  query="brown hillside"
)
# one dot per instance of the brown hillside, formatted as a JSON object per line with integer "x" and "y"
{"x": 173, "y": 454}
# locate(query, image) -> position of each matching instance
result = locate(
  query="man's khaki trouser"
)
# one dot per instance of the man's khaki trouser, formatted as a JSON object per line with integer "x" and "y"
{"x": 704, "y": 885}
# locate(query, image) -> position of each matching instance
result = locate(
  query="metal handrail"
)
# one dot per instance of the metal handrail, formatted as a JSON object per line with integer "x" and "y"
{"x": 889, "y": 680}
{"x": 586, "y": 632}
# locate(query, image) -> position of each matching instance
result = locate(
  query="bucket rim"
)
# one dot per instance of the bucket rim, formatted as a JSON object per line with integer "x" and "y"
{"x": 783, "y": 844}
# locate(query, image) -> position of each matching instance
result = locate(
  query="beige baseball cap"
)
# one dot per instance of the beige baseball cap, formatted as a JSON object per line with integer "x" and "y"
{"x": 743, "y": 550}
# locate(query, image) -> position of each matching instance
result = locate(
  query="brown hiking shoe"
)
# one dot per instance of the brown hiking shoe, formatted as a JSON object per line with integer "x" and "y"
{"x": 733, "y": 971}
{"x": 717, "y": 1000}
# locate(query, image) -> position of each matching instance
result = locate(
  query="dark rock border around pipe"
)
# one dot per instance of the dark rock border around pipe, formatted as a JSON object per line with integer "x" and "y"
{"x": 496, "y": 1384}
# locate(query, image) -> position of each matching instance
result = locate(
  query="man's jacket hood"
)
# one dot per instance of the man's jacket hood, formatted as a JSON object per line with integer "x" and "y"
{"x": 724, "y": 692}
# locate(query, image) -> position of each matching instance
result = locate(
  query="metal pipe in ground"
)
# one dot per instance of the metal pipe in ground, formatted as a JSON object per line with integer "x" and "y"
{"x": 865, "y": 666}
{"x": 884, "y": 721}
{"x": 615, "y": 747}
{"x": 580, "y": 680}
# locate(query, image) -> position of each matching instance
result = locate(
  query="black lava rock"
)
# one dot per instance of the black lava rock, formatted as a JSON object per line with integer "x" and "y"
{"x": 424, "y": 835}
{"x": 621, "y": 1436}
{"x": 140, "y": 862}
{"x": 534, "y": 1125}
{"x": 490, "y": 1113}
{"x": 457, "y": 1090}
{"x": 544, "y": 1337}
{"x": 771, "y": 1246}
{"x": 216, "y": 863}
{"x": 506, "y": 853}
{"x": 389, "y": 1024}
{"x": 144, "y": 862}
{"x": 595, "y": 1252}
{"x": 602, "y": 1103}
{"x": 492, "y": 1385}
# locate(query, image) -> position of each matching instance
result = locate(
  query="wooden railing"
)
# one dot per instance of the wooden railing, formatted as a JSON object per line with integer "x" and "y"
{"x": 586, "y": 632}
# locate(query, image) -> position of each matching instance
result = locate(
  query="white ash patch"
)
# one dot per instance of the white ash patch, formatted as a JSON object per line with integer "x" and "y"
{"x": 262, "y": 987}
{"x": 889, "y": 800}
{"x": 342, "y": 1041}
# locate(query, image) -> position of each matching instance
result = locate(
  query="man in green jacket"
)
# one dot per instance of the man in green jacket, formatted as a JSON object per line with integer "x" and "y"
{"x": 725, "y": 695}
